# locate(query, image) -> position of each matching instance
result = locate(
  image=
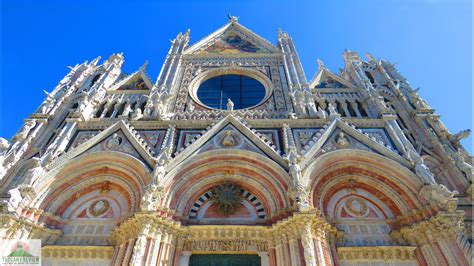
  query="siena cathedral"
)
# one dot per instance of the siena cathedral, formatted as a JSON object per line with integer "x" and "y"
{"x": 233, "y": 157}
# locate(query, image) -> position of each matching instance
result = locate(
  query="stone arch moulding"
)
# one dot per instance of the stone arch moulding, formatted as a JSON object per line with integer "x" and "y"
{"x": 252, "y": 73}
{"x": 253, "y": 172}
{"x": 117, "y": 170}
{"x": 346, "y": 169}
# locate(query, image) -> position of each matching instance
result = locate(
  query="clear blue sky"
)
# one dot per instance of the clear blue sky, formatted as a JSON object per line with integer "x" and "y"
{"x": 429, "y": 40}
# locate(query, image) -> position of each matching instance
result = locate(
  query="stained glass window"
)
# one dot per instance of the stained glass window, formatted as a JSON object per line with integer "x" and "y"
{"x": 243, "y": 91}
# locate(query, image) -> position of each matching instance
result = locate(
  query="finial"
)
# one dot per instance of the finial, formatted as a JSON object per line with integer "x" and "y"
{"x": 232, "y": 18}
{"x": 370, "y": 57}
{"x": 144, "y": 66}
{"x": 320, "y": 64}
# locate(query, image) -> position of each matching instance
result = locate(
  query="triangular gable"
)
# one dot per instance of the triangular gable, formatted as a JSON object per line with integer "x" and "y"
{"x": 353, "y": 133}
{"x": 232, "y": 135}
{"x": 137, "y": 81}
{"x": 232, "y": 38}
{"x": 213, "y": 132}
{"x": 328, "y": 80}
{"x": 132, "y": 138}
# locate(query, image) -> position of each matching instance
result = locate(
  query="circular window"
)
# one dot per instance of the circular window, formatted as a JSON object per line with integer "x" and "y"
{"x": 243, "y": 91}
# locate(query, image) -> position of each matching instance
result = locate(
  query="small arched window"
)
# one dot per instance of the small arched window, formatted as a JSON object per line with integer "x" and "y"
{"x": 243, "y": 91}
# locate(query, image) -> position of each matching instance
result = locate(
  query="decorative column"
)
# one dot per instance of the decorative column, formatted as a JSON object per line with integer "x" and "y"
{"x": 436, "y": 238}
{"x": 308, "y": 245}
{"x": 184, "y": 258}
{"x": 264, "y": 260}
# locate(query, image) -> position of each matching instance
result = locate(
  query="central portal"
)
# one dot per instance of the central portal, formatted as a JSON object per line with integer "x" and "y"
{"x": 224, "y": 260}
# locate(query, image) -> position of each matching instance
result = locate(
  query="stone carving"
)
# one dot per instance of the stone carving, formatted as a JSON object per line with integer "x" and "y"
{"x": 439, "y": 193}
{"x": 137, "y": 114}
{"x": 227, "y": 197}
{"x": 421, "y": 169}
{"x": 321, "y": 113}
{"x": 356, "y": 207}
{"x": 230, "y": 105}
{"x": 342, "y": 141}
{"x": 308, "y": 245}
{"x": 416, "y": 100}
{"x": 48, "y": 103}
{"x": 34, "y": 173}
{"x": 226, "y": 245}
{"x": 113, "y": 142}
{"x": 25, "y": 130}
{"x": 333, "y": 114}
{"x": 99, "y": 207}
{"x": 297, "y": 191}
{"x": 229, "y": 140}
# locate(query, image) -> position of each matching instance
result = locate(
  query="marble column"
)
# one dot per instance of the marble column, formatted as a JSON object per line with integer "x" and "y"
{"x": 184, "y": 258}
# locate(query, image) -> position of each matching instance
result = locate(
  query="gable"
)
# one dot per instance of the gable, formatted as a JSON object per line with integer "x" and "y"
{"x": 137, "y": 84}
{"x": 229, "y": 137}
{"x": 329, "y": 83}
{"x": 325, "y": 79}
{"x": 118, "y": 137}
{"x": 137, "y": 81}
{"x": 229, "y": 133}
{"x": 340, "y": 135}
{"x": 232, "y": 38}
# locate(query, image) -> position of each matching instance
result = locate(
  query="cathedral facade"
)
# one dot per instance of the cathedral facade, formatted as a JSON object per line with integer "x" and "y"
{"x": 233, "y": 157}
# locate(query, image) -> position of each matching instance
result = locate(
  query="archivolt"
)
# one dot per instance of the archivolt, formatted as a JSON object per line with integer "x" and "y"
{"x": 343, "y": 169}
{"x": 120, "y": 171}
{"x": 253, "y": 172}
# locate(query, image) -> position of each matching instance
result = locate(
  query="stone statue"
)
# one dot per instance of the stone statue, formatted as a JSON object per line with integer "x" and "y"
{"x": 25, "y": 130}
{"x": 230, "y": 105}
{"x": 459, "y": 136}
{"x": 417, "y": 101}
{"x": 48, "y": 103}
{"x": 332, "y": 111}
{"x": 229, "y": 139}
{"x": 148, "y": 112}
{"x": 83, "y": 104}
{"x": 34, "y": 173}
{"x": 422, "y": 170}
{"x": 341, "y": 140}
{"x": 321, "y": 113}
{"x": 158, "y": 173}
{"x": 4, "y": 145}
{"x": 126, "y": 109}
{"x": 137, "y": 114}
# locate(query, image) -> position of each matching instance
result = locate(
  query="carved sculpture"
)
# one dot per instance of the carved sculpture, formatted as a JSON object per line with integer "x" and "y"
{"x": 230, "y": 105}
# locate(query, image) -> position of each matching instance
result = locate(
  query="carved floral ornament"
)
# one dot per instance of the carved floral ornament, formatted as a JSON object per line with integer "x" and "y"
{"x": 252, "y": 73}
{"x": 227, "y": 197}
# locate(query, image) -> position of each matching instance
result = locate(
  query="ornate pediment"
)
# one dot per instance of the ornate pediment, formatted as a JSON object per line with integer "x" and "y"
{"x": 230, "y": 137}
{"x": 118, "y": 137}
{"x": 138, "y": 81}
{"x": 340, "y": 135}
{"x": 233, "y": 38}
{"x": 325, "y": 79}
{"x": 229, "y": 133}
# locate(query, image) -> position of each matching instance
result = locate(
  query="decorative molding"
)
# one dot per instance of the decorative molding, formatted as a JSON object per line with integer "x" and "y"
{"x": 374, "y": 254}
{"x": 77, "y": 252}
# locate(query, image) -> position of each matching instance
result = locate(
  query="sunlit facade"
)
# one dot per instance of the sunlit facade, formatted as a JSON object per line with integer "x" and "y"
{"x": 233, "y": 156}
